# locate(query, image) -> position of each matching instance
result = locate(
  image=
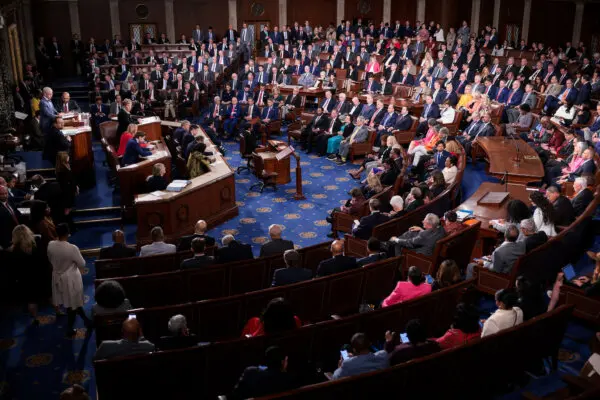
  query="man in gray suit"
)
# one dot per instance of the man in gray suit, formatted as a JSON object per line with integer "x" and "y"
{"x": 524, "y": 120}
{"x": 247, "y": 40}
{"x": 132, "y": 343}
{"x": 504, "y": 257}
{"x": 421, "y": 240}
{"x": 529, "y": 98}
{"x": 359, "y": 135}
{"x": 158, "y": 245}
{"x": 197, "y": 35}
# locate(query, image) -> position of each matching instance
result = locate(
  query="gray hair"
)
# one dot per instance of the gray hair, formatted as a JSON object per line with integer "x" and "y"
{"x": 275, "y": 230}
{"x": 528, "y": 225}
{"x": 177, "y": 324}
{"x": 581, "y": 146}
{"x": 47, "y": 90}
{"x": 416, "y": 192}
{"x": 291, "y": 258}
{"x": 360, "y": 119}
{"x": 227, "y": 239}
{"x": 432, "y": 220}
{"x": 397, "y": 203}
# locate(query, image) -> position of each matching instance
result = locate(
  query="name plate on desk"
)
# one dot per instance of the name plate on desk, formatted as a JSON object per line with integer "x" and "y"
{"x": 493, "y": 199}
{"x": 75, "y": 131}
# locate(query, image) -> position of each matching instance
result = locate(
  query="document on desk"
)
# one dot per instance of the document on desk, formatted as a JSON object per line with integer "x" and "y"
{"x": 157, "y": 194}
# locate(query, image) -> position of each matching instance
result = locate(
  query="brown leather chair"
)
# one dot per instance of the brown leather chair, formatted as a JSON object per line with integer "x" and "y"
{"x": 405, "y": 137}
{"x": 363, "y": 148}
{"x": 108, "y": 131}
{"x": 295, "y": 128}
{"x": 266, "y": 179}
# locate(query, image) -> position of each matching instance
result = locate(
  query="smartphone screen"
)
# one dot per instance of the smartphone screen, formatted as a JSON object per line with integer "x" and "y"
{"x": 344, "y": 354}
{"x": 429, "y": 279}
{"x": 404, "y": 338}
{"x": 131, "y": 316}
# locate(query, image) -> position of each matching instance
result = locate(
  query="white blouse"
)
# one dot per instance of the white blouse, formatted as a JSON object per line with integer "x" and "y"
{"x": 502, "y": 319}
{"x": 540, "y": 225}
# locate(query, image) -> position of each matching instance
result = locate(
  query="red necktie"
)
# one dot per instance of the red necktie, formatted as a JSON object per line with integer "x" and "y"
{"x": 66, "y": 107}
{"x": 510, "y": 97}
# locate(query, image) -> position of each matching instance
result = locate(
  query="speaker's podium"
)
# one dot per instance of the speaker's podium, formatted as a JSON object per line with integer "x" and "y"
{"x": 274, "y": 158}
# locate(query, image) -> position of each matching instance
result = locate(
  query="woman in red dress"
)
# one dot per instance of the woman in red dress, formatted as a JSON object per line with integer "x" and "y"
{"x": 277, "y": 317}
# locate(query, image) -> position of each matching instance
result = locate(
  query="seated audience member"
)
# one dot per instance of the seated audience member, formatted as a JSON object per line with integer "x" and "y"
{"x": 185, "y": 243}
{"x": 118, "y": 249}
{"x": 110, "y": 298}
{"x": 532, "y": 237}
{"x": 434, "y": 186}
{"x": 353, "y": 207}
{"x": 397, "y": 204}
{"x": 450, "y": 170}
{"x": 543, "y": 216}
{"x": 564, "y": 214}
{"x": 448, "y": 274}
{"x": 464, "y": 328}
{"x": 506, "y": 316}
{"x": 375, "y": 253}
{"x": 277, "y": 317}
{"x": 413, "y": 200}
{"x": 516, "y": 211}
{"x": 157, "y": 180}
{"x": 420, "y": 240}
{"x": 198, "y": 163}
{"x": 179, "y": 335}
{"x": 293, "y": 272}
{"x": 504, "y": 256}
{"x": 366, "y": 224}
{"x": 360, "y": 358}
{"x": 417, "y": 346}
{"x": 233, "y": 250}
{"x": 413, "y": 287}
{"x": 276, "y": 245}
{"x": 372, "y": 186}
{"x": 585, "y": 165}
{"x": 338, "y": 263}
{"x": 126, "y": 136}
{"x": 132, "y": 342}
{"x": 15, "y": 195}
{"x": 375, "y": 160}
{"x": 359, "y": 134}
{"x": 200, "y": 259}
{"x": 451, "y": 223}
{"x": 75, "y": 392}
{"x": 582, "y": 197}
{"x": 272, "y": 377}
{"x": 134, "y": 150}
{"x": 532, "y": 297}
{"x": 158, "y": 245}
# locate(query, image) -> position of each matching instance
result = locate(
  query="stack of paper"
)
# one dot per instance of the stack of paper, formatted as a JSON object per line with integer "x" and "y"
{"x": 177, "y": 185}
{"x": 463, "y": 214}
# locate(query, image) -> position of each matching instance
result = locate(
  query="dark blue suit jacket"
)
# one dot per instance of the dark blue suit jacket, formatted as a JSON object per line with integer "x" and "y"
{"x": 492, "y": 92}
{"x": 584, "y": 94}
{"x": 432, "y": 112}
{"x": 403, "y": 123}
{"x": 439, "y": 99}
{"x": 440, "y": 159}
{"x": 516, "y": 98}
{"x": 451, "y": 97}
{"x": 238, "y": 111}
{"x": 272, "y": 115}
{"x": 287, "y": 276}
{"x": 366, "y": 225}
{"x": 588, "y": 167}
{"x": 501, "y": 95}
{"x": 133, "y": 151}
{"x": 255, "y": 112}
{"x": 374, "y": 87}
{"x": 367, "y": 111}
{"x": 391, "y": 120}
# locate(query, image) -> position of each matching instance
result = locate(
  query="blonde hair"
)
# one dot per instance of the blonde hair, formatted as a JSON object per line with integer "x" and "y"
{"x": 393, "y": 139}
{"x": 156, "y": 168}
{"x": 23, "y": 239}
{"x": 132, "y": 128}
{"x": 62, "y": 161}
{"x": 453, "y": 147}
{"x": 374, "y": 183}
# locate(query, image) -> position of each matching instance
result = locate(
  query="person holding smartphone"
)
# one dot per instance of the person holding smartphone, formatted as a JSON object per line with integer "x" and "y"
{"x": 413, "y": 344}
{"x": 360, "y": 358}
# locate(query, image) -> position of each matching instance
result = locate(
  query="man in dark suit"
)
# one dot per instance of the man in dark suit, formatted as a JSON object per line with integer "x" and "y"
{"x": 403, "y": 121}
{"x": 365, "y": 227}
{"x": 233, "y": 250}
{"x": 9, "y": 218}
{"x": 564, "y": 214}
{"x": 375, "y": 254}
{"x": 504, "y": 256}
{"x": 132, "y": 343}
{"x": 134, "y": 150}
{"x": 119, "y": 249}
{"x": 314, "y": 129}
{"x": 51, "y": 193}
{"x": 532, "y": 239}
{"x": 263, "y": 380}
{"x": 180, "y": 336}
{"x": 124, "y": 117}
{"x": 200, "y": 259}
{"x": 66, "y": 105}
{"x": 56, "y": 141}
{"x": 292, "y": 273}
{"x": 420, "y": 240}
{"x": 583, "y": 196}
{"x": 440, "y": 155}
{"x": 276, "y": 245}
{"x": 338, "y": 263}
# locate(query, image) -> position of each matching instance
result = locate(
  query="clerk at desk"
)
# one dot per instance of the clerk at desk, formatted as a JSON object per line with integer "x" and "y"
{"x": 134, "y": 149}
{"x": 56, "y": 141}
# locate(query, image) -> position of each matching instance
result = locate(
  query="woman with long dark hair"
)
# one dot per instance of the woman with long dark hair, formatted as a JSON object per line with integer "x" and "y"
{"x": 277, "y": 317}
{"x": 544, "y": 214}
{"x": 516, "y": 211}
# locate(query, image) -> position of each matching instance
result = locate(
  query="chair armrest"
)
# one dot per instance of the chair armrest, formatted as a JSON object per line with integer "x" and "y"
{"x": 410, "y": 258}
{"x": 343, "y": 222}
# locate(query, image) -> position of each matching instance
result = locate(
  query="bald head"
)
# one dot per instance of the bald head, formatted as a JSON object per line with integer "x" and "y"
{"x": 337, "y": 247}
{"x": 275, "y": 231}
{"x": 200, "y": 227}
{"x": 132, "y": 330}
{"x": 118, "y": 236}
{"x": 3, "y": 181}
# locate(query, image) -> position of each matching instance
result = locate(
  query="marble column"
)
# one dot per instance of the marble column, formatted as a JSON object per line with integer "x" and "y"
{"x": 475, "y": 15}
{"x": 526, "y": 19}
{"x": 170, "y": 20}
{"x": 339, "y": 11}
{"x": 421, "y": 11}
{"x": 74, "y": 17}
{"x": 387, "y": 11}
{"x": 283, "y": 12}
{"x": 579, "y": 9}
{"x": 496, "y": 21}
{"x": 115, "y": 22}
{"x": 233, "y": 14}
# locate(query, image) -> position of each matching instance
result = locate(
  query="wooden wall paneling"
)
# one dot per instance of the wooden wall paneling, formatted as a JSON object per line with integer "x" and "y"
{"x": 318, "y": 12}
{"x": 156, "y": 15}
{"x": 555, "y": 25}
{"x": 511, "y": 12}
{"x": 591, "y": 24}
{"x": 188, "y": 13}
{"x": 374, "y": 12}
{"x": 268, "y": 12}
{"x": 403, "y": 11}
{"x": 94, "y": 20}
{"x": 486, "y": 13}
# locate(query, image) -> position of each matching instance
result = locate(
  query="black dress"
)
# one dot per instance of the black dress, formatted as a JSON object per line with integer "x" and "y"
{"x": 30, "y": 275}
{"x": 68, "y": 189}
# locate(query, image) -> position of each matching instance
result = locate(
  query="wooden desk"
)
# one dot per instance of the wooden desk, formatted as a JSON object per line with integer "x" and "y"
{"x": 210, "y": 197}
{"x": 82, "y": 155}
{"x": 488, "y": 235}
{"x": 271, "y": 164}
{"x": 501, "y": 153}
{"x": 132, "y": 178}
{"x": 151, "y": 127}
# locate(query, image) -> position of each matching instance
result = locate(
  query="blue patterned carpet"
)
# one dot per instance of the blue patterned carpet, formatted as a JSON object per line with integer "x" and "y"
{"x": 40, "y": 363}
